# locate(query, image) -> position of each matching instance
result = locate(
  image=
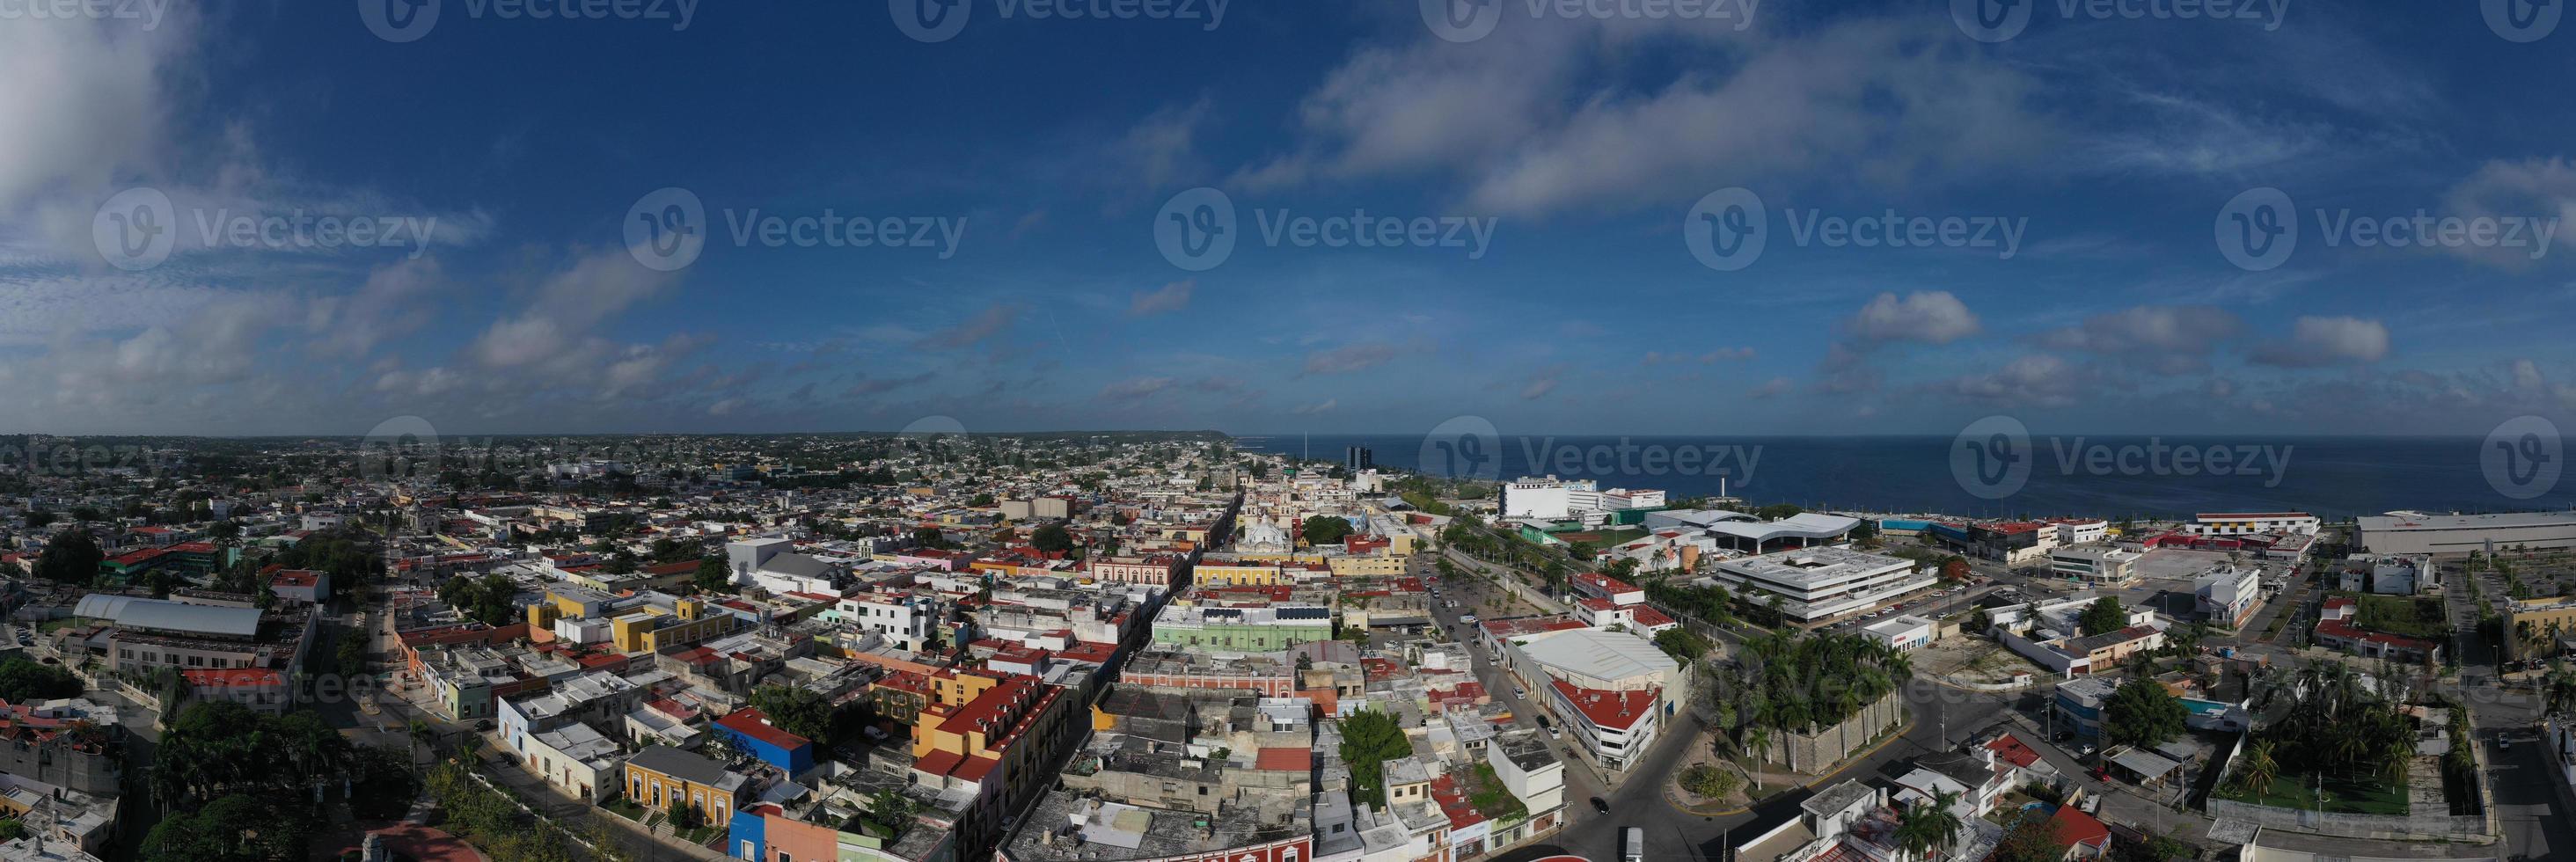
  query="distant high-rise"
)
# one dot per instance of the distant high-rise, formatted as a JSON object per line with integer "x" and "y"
{"x": 1359, "y": 458}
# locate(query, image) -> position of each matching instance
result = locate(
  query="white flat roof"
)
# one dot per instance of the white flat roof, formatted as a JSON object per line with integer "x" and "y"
{"x": 2501, "y": 520}
{"x": 138, "y": 612}
{"x": 1807, "y": 568}
{"x": 1806, "y": 525}
{"x": 1600, "y": 654}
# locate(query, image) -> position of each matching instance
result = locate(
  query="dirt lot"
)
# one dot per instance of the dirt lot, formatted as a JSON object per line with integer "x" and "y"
{"x": 1972, "y": 660}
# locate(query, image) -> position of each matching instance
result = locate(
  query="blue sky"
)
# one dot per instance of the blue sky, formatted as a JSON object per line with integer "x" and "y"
{"x": 2110, "y": 148}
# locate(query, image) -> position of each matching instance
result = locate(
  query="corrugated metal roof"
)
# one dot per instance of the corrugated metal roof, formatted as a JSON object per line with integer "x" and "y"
{"x": 138, "y": 612}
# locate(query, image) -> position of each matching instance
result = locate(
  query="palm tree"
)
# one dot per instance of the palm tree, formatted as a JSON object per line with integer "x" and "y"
{"x": 1931, "y": 827}
{"x": 2255, "y": 769}
{"x": 1757, "y": 743}
{"x": 2558, "y": 691}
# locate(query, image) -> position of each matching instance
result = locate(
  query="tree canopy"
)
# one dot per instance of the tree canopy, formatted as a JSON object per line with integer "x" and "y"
{"x": 1324, "y": 530}
{"x": 2105, "y": 615}
{"x": 1369, "y": 739}
{"x": 2032, "y": 837}
{"x": 487, "y": 599}
{"x": 2142, "y": 712}
{"x": 71, "y": 558}
{"x": 796, "y": 710}
{"x": 1682, "y": 644}
{"x": 220, "y": 747}
{"x": 22, "y": 681}
{"x": 235, "y": 828}
{"x": 1798, "y": 684}
{"x": 1052, "y": 538}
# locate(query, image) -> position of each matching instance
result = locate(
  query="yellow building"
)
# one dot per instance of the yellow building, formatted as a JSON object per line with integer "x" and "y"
{"x": 668, "y": 778}
{"x": 1365, "y": 566}
{"x": 1239, "y": 574}
{"x": 2537, "y": 625}
{"x": 650, "y": 628}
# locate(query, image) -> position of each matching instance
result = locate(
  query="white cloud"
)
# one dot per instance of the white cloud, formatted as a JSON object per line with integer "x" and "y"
{"x": 1928, "y": 316}
{"x": 1168, "y": 298}
{"x": 2037, "y": 379}
{"x": 2167, "y": 339}
{"x": 2317, "y": 342}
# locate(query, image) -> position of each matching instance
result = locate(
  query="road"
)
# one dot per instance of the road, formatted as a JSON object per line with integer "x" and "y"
{"x": 1638, "y": 799}
{"x": 1698, "y": 837}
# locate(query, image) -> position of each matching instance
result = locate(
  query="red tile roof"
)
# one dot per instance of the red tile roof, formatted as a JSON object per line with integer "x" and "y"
{"x": 1284, "y": 760}
{"x": 2076, "y": 827}
{"x": 755, "y": 724}
{"x": 1616, "y": 710}
{"x": 975, "y": 768}
{"x": 2009, "y": 748}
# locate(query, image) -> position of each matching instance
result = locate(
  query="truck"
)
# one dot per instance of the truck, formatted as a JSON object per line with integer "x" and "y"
{"x": 1632, "y": 848}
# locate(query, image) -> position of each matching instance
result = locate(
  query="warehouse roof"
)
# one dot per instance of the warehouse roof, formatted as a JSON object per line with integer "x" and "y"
{"x": 165, "y": 615}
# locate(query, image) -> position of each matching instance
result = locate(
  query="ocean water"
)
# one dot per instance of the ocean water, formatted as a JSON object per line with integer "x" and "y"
{"x": 2070, "y": 475}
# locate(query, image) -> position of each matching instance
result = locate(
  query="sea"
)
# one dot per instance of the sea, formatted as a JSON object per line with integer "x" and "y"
{"x": 2335, "y": 478}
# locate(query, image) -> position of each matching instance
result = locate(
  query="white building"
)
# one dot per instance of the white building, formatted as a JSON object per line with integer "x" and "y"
{"x": 2418, "y": 533}
{"x": 1611, "y": 691}
{"x": 774, "y": 564}
{"x": 1902, "y": 632}
{"x": 2096, "y": 564}
{"x": 576, "y": 760}
{"x": 1552, "y": 499}
{"x": 2249, "y": 523}
{"x": 907, "y": 621}
{"x": 1817, "y": 583}
{"x": 1548, "y": 497}
{"x": 2227, "y": 594}
{"x": 2079, "y": 532}
{"x": 2391, "y": 574}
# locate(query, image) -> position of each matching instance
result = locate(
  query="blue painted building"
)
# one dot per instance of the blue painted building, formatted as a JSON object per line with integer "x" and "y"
{"x": 749, "y": 731}
{"x": 748, "y": 837}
